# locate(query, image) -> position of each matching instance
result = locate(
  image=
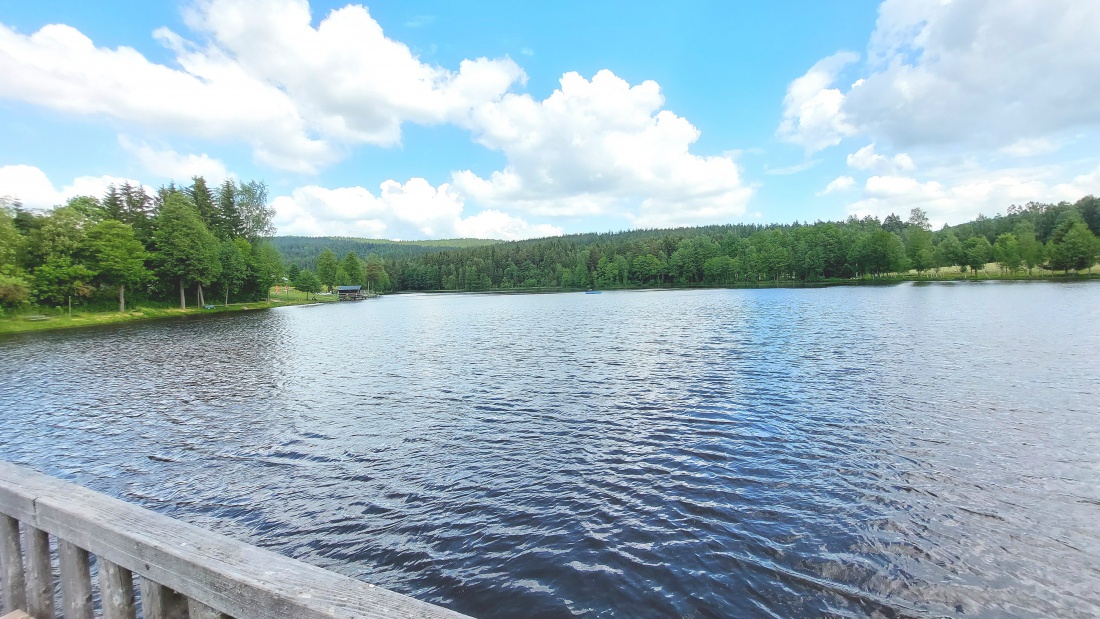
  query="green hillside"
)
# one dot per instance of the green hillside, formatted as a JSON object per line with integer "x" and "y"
{"x": 303, "y": 250}
{"x": 1031, "y": 240}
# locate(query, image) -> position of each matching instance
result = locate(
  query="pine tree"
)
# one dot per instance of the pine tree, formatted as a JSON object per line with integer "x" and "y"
{"x": 204, "y": 203}
{"x": 111, "y": 204}
{"x": 228, "y": 215}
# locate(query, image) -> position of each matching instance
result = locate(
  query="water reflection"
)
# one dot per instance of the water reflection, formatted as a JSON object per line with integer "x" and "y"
{"x": 886, "y": 451}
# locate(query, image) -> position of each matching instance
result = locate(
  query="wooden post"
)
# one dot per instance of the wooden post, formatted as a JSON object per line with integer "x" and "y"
{"x": 76, "y": 581}
{"x": 179, "y": 560}
{"x": 198, "y": 610}
{"x": 160, "y": 602}
{"x": 116, "y": 588}
{"x": 39, "y": 572}
{"x": 11, "y": 565}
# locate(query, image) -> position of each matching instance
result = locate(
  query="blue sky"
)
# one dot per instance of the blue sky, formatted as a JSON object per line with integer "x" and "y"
{"x": 509, "y": 120}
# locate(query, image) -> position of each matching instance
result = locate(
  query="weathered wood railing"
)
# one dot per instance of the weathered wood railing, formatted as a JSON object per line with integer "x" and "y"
{"x": 183, "y": 570}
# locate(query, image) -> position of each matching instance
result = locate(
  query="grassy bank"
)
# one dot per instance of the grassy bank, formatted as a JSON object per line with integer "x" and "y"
{"x": 55, "y": 318}
{"x": 51, "y": 319}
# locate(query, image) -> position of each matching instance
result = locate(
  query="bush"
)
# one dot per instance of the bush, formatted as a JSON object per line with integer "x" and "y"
{"x": 14, "y": 290}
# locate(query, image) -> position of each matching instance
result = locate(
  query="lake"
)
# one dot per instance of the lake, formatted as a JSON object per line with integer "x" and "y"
{"x": 903, "y": 450}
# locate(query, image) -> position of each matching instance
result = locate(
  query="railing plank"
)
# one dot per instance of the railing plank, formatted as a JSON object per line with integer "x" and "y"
{"x": 229, "y": 576}
{"x": 160, "y": 602}
{"x": 40, "y": 596}
{"x": 11, "y": 565}
{"x": 198, "y": 610}
{"x": 76, "y": 581}
{"x": 116, "y": 590}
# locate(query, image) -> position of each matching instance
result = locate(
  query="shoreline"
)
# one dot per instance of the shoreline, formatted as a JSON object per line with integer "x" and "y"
{"x": 764, "y": 285}
{"x": 32, "y": 323}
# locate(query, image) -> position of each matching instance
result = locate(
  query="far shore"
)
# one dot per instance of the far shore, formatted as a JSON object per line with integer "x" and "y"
{"x": 58, "y": 318}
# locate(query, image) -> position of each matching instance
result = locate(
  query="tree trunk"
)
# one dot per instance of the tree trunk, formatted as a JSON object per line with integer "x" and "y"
{"x": 227, "y": 296}
{"x": 198, "y": 295}
{"x": 183, "y": 299}
{"x": 121, "y": 299}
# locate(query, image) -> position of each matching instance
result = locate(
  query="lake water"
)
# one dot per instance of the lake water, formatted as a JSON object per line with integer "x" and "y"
{"x": 907, "y": 450}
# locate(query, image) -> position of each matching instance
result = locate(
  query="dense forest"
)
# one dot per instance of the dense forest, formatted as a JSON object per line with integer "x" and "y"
{"x": 304, "y": 250}
{"x": 1031, "y": 239}
{"x": 178, "y": 243}
{"x": 183, "y": 243}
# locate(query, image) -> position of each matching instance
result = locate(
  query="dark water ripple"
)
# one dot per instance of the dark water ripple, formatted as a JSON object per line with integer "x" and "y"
{"x": 915, "y": 450}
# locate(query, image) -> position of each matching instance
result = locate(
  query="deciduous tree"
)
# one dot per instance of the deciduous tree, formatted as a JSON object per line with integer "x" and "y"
{"x": 374, "y": 272}
{"x": 1006, "y": 252}
{"x": 327, "y": 266}
{"x": 307, "y": 282}
{"x": 14, "y": 288}
{"x": 1076, "y": 250}
{"x": 234, "y": 266}
{"x": 1031, "y": 250}
{"x": 353, "y": 270}
{"x": 255, "y": 214}
{"x": 117, "y": 256}
{"x": 186, "y": 251}
{"x": 978, "y": 253}
{"x": 950, "y": 252}
{"x": 919, "y": 250}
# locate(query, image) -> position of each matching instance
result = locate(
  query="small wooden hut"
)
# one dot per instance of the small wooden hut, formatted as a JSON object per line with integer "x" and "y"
{"x": 349, "y": 293}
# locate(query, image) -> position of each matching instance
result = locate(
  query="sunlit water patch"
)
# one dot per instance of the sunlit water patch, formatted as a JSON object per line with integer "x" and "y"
{"x": 912, "y": 450}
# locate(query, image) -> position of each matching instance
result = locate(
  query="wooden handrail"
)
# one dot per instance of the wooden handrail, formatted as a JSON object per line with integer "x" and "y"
{"x": 184, "y": 570}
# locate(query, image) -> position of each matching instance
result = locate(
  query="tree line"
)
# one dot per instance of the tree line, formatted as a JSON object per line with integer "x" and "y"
{"x": 1035, "y": 238}
{"x": 349, "y": 271}
{"x": 192, "y": 241}
{"x": 187, "y": 241}
{"x": 304, "y": 250}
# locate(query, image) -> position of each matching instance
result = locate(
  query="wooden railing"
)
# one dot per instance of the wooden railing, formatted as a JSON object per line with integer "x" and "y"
{"x": 183, "y": 570}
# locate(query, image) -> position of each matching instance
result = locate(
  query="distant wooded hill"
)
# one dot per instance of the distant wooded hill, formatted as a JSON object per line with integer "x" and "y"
{"x": 303, "y": 250}
{"x": 1034, "y": 236}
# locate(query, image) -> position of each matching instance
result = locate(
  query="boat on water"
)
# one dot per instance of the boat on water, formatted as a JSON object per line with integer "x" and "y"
{"x": 592, "y": 291}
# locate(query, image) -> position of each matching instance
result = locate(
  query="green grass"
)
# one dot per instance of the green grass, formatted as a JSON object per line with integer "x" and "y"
{"x": 38, "y": 319}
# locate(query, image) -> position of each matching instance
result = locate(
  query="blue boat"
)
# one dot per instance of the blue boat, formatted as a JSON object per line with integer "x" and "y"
{"x": 593, "y": 291}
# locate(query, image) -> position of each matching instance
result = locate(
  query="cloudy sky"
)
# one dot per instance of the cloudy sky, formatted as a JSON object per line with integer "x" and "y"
{"x": 439, "y": 119}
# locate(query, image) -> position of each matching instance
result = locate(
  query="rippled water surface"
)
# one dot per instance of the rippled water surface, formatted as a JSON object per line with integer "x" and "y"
{"x": 911, "y": 450}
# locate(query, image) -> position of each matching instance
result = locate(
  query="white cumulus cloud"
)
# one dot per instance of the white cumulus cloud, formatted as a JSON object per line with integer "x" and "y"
{"x": 841, "y": 183}
{"x": 867, "y": 159}
{"x": 413, "y": 210}
{"x": 953, "y": 198}
{"x": 167, "y": 163}
{"x": 812, "y": 115}
{"x": 303, "y": 91}
{"x": 31, "y": 186}
{"x": 299, "y": 95}
{"x": 597, "y": 147}
{"x": 986, "y": 73}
